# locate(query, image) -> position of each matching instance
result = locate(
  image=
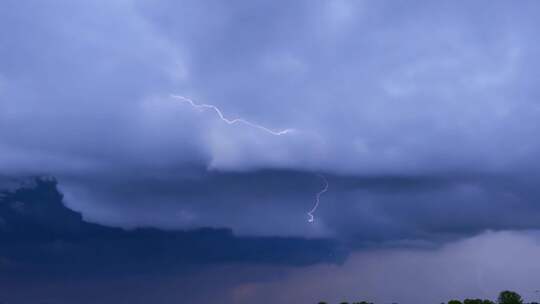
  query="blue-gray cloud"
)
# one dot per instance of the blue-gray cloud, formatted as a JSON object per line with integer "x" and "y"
{"x": 413, "y": 111}
{"x": 39, "y": 234}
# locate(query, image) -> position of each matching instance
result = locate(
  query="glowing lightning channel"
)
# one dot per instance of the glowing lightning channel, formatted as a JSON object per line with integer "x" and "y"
{"x": 317, "y": 199}
{"x": 231, "y": 121}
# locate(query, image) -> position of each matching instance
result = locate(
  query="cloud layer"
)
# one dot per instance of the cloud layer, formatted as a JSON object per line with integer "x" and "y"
{"x": 423, "y": 116}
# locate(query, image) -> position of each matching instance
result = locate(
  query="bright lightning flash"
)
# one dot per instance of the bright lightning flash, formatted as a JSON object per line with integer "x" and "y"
{"x": 317, "y": 199}
{"x": 231, "y": 121}
{"x": 267, "y": 130}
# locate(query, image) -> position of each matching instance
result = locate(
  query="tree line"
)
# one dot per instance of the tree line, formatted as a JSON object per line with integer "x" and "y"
{"x": 505, "y": 297}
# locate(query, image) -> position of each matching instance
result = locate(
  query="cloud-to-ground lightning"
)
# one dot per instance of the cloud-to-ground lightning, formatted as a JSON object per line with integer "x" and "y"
{"x": 231, "y": 121}
{"x": 318, "y": 199}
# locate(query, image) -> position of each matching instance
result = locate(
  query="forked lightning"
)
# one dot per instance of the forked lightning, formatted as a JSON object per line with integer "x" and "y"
{"x": 317, "y": 199}
{"x": 230, "y": 121}
{"x": 203, "y": 106}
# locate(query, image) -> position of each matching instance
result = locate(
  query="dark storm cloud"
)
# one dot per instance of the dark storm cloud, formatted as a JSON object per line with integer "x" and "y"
{"x": 361, "y": 209}
{"x": 480, "y": 266}
{"x": 39, "y": 234}
{"x": 422, "y": 116}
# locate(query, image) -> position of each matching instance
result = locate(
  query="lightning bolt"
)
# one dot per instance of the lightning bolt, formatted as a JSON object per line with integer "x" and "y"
{"x": 254, "y": 125}
{"x": 317, "y": 199}
{"x": 231, "y": 121}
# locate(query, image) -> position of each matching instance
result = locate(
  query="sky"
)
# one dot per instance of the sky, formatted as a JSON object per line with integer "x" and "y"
{"x": 421, "y": 117}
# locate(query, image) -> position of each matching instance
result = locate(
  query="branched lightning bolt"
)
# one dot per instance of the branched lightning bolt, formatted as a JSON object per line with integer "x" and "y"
{"x": 317, "y": 199}
{"x": 265, "y": 129}
{"x": 231, "y": 121}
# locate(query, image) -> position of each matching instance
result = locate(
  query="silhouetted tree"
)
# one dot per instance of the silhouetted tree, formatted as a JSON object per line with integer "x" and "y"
{"x": 472, "y": 301}
{"x": 509, "y": 297}
{"x": 454, "y": 302}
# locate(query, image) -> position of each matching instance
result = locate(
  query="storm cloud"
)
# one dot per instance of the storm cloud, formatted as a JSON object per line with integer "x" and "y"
{"x": 422, "y": 116}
